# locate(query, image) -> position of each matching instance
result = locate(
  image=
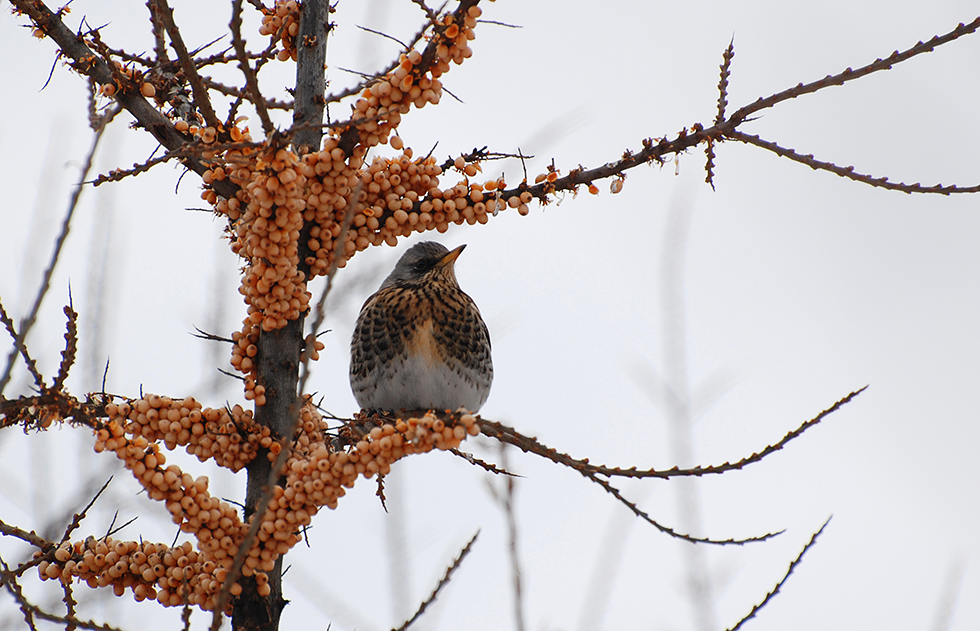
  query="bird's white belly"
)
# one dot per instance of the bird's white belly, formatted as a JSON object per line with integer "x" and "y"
{"x": 417, "y": 383}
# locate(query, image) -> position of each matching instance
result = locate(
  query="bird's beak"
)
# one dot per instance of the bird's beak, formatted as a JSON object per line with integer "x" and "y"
{"x": 450, "y": 258}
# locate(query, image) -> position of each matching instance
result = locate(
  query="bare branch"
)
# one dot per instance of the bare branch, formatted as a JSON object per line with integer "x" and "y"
{"x": 186, "y": 151}
{"x": 849, "y": 75}
{"x": 83, "y": 60}
{"x": 228, "y": 90}
{"x": 385, "y": 35}
{"x": 442, "y": 583}
{"x": 19, "y": 347}
{"x": 156, "y": 22}
{"x": 486, "y": 466}
{"x": 783, "y": 580}
{"x": 211, "y": 337}
{"x": 667, "y": 530}
{"x": 78, "y": 517}
{"x": 30, "y": 537}
{"x": 8, "y": 580}
{"x": 28, "y": 322}
{"x": 531, "y": 445}
{"x": 200, "y": 92}
{"x": 433, "y": 16}
{"x": 709, "y": 149}
{"x": 71, "y": 347}
{"x": 505, "y": 499}
{"x": 251, "y": 83}
{"x": 70, "y": 604}
{"x": 848, "y": 172}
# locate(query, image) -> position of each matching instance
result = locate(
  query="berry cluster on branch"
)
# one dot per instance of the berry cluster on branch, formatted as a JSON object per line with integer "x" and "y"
{"x": 282, "y": 24}
{"x": 317, "y": 473}
{"x": 295, "y": 217}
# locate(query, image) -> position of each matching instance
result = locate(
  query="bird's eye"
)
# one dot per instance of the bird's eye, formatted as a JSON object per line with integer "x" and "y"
{"x": 421, "y": 266}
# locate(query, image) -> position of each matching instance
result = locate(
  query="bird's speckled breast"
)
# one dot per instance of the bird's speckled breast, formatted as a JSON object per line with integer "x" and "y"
{"x": 420, "y": 346}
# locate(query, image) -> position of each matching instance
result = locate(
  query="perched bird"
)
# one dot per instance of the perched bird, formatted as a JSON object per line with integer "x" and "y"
{"x": 419, "y": 342}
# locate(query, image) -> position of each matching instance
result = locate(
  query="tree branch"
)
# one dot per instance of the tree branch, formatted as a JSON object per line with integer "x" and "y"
{"x": 83, "y": 60}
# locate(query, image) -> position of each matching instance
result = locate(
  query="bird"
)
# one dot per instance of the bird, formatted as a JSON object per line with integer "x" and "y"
{"x": 420, "y": 342}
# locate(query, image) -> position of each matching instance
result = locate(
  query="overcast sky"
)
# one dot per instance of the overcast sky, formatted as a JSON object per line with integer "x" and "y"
{"x": 784, "y": 289}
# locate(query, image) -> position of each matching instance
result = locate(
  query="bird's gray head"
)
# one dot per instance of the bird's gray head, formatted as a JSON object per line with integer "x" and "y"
{"x": 425, "y": 259}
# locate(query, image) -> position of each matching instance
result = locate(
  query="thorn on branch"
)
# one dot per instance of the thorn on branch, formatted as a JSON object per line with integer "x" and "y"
{"x": 78, "y": 517}
{"x": 203, "y": 335}
{"x": 385, "y": 35}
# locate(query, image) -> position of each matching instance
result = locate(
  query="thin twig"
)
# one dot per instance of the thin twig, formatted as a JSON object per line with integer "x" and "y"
{"x": 433, "y": 16}
{"x": 79, "y": 517}
{"x": 20, "y": 347}
{"x": 442, "y": 583}
{"x": 27, "y": 323}
{"x": 666, "y": 529}
{"x": 211, "y": 337}
{"x": 113, "y": 531}
{"x": 506, "y": 501}
{"x": 30, "y": 537}
{"x": 848, "y": 172}
{"x": 531, "y": 445}
{"x": 80, "y": 56}
{"x": 849, "y": 75}
{"x": 229, "y": 90}
{"x": 385, "y": 35}
{"x": 486, "y": 466}
{"x": 726, "y": 71}
{"x": 251, "y": 83}
{"x": 30, "y": 610}
{"x": 71, "y": 347}
{"x": 200, "y": 92}
{"x": 189, "y": 150}
{"x": 783, "y": 580}
{"x": 70, "y": 605}
{"x": 159, "y": 43}
{"x": 10, "y": 582}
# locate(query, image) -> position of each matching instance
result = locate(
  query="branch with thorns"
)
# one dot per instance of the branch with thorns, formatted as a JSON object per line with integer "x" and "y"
{"x": 442, "y": 583}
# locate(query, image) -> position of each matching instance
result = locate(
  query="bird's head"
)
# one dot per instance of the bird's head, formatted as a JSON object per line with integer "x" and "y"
{"x": 424, "y": 262}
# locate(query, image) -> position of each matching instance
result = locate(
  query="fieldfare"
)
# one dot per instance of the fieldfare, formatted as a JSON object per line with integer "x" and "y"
{"x": 419, "y": 342}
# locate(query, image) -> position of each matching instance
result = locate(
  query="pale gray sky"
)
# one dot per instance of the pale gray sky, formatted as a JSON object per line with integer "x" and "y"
{"x": 798, "y": 287}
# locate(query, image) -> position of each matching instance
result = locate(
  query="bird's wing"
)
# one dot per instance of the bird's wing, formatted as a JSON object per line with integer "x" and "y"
{"x": 378, "y": 336}
{"x": 466, "y": 337}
